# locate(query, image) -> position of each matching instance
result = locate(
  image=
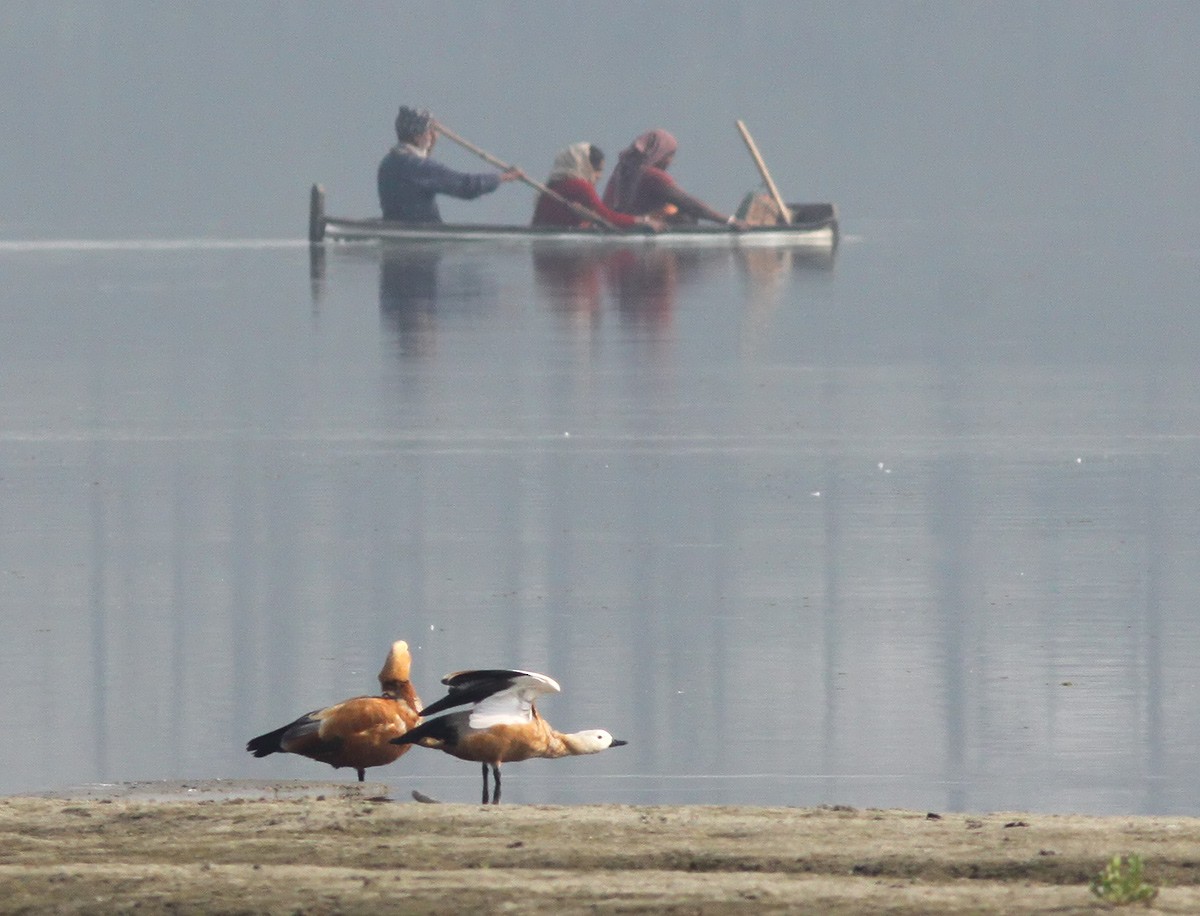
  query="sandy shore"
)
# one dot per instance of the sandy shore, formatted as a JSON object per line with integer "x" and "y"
{"x": 336, "y": 848}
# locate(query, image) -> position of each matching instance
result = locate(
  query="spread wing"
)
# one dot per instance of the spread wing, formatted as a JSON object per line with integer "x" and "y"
{"x": 499, "y": 695}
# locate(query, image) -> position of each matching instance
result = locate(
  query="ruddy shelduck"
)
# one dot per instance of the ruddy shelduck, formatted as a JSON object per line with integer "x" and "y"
{"x": 358, "y": 732}
{"x": 502, "y": 725}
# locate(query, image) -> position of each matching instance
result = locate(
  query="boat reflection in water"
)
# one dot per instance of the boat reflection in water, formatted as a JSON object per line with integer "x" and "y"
{"x": 642, "y": 285}
{"x": 767, "y": 276}
{"x": 770, "y": 270}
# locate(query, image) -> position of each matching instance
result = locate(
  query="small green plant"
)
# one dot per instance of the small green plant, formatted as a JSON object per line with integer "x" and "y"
{"x": 1120, "y": 882}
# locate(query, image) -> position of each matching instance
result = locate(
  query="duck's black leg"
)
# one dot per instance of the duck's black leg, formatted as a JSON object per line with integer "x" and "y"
{"x": 496, "y": 794}
{"x": 362, "y": 774}
{"x": 485, "y": 787}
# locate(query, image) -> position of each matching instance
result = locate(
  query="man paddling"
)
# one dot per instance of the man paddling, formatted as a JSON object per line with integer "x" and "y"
{"x": 409, "y": 181}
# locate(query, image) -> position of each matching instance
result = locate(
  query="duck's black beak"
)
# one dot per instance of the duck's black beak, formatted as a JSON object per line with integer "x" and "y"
{"x": 617, "y": 742}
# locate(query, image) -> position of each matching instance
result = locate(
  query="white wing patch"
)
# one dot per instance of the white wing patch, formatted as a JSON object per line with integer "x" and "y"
{"x": 514, "y": 704}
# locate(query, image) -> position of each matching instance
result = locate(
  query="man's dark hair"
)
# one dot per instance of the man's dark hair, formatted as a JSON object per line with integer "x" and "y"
{"x": 411, "y": 123}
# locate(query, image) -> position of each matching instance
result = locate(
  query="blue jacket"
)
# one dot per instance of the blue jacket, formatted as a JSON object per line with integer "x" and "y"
{"x": 408, "y": 186}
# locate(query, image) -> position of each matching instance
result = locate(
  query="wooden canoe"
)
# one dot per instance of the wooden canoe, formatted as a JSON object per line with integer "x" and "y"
{"x": 812, "y": 226}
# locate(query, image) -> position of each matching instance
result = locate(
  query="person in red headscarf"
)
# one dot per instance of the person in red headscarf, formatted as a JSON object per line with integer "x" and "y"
{"x": 641, "y": 185}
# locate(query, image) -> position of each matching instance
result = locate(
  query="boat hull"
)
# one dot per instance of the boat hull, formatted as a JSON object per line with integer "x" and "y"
{"x": 813, "y": 226}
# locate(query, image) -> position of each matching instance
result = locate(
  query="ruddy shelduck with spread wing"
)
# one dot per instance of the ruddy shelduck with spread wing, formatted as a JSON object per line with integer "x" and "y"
{"x": 355, "y": 733}
{"x": 502, "y": 725}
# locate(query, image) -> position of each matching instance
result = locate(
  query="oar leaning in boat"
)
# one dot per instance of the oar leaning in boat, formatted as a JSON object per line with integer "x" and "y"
{"x": 537, "y": 185}
{"x": 784, "y": 213}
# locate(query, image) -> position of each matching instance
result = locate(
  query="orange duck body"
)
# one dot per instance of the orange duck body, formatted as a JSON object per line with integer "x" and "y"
{"x": 355, "y": 733}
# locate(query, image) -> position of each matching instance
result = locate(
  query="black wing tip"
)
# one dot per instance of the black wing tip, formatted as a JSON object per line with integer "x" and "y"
{"x": 455, "y": 698}
{"x": 482, "y": 674}
{"x": 457, "y": 678}
{"x": 471, "y": 687}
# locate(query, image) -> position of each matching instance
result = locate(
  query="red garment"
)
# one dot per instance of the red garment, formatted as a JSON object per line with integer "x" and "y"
{"x": 655, "y": 189}
{"x": 550, "y": 212}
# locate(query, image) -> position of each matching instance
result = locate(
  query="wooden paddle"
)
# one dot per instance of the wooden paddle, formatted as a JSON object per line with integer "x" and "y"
{"x": 784, "y": 212}
{"x": 578, "y": 209}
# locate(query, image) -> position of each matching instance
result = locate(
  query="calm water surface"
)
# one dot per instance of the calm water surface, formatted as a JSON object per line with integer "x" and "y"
{"x": 915, "y": 526}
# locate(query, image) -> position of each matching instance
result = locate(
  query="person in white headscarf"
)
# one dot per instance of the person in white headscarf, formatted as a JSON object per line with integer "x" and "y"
{"x": 573, "y": 177}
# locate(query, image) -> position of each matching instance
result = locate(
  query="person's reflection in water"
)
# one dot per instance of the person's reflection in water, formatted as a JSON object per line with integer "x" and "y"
{"x": 408, "y": 290}
{"x": 571, "y": 283}
{"x": 646, "y": 283}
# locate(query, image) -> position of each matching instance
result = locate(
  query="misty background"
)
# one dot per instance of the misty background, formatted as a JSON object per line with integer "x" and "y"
{"x": 180, "y": 119}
